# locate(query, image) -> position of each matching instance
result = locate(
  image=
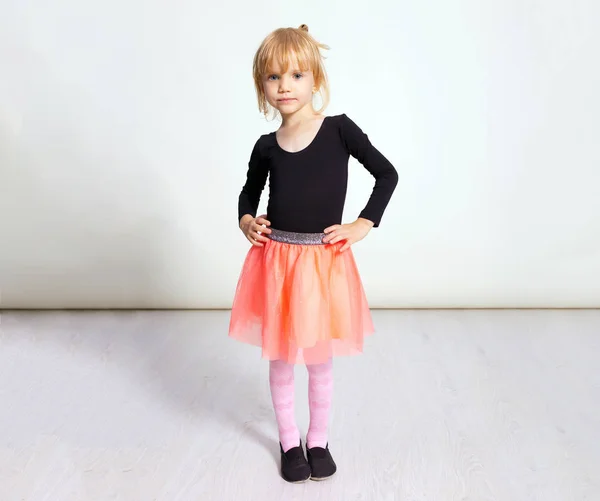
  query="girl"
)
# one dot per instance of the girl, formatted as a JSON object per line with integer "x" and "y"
{"x": 299, "y": 295}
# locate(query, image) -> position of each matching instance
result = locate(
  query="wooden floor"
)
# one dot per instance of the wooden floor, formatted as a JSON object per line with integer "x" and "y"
{"x": 444, "y": 405}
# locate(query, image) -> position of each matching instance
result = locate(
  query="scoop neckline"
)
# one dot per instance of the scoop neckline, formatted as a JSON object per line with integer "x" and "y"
{"x": 307, "y": 146}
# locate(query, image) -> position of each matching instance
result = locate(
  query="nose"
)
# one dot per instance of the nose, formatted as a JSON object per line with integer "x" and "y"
{"x": 284, "y": 84}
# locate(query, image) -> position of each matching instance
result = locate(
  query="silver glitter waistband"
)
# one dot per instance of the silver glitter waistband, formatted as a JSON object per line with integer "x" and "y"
{"x": 290, "y": 237}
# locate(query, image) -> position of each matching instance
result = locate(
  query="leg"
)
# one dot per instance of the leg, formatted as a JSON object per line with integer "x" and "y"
{"x": 281, "y": 380}
{"x": 294, "y": 467}
{"x": 320, "y": 390}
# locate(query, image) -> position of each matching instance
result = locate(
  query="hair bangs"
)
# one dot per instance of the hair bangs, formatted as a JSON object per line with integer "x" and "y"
{"x": 288, "y": 49}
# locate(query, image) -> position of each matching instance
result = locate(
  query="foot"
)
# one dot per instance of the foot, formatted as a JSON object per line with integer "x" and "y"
{"x": 294, "y": 467}
{"x": 321, "y": 463}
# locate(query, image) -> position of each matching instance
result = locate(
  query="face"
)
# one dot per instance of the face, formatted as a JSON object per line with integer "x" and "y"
{"x": 289, "y": 91}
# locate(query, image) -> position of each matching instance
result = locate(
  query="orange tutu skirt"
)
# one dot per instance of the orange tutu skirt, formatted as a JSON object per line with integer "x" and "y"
{"x": 300, "y": 302}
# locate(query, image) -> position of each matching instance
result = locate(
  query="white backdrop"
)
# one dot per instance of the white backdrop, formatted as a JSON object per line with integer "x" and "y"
{"x": 126, "y": 128}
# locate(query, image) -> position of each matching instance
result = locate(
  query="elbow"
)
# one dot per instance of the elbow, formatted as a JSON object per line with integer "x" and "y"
{"x": 394, "y": 177}
{"x": 390, "y": 178}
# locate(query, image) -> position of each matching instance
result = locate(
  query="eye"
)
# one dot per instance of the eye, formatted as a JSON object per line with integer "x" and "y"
{"x": 272, "y": 77}
{"x": 298, "y": 75}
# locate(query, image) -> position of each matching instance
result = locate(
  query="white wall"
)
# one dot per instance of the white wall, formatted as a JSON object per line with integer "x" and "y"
{"x": 126, "y": 127}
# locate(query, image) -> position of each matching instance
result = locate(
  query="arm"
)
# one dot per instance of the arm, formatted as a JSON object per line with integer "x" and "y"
{"x": 386, "y": 177}
{"x": 256, "y": 179}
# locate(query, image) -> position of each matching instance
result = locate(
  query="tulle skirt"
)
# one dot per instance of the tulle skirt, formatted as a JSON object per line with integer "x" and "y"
{"x": 300, "y": 300}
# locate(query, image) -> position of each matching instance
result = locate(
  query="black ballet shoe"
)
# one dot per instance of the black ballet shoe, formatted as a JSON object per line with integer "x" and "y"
{"x": 294, "y": 467}
{"x": 321, "y": 463}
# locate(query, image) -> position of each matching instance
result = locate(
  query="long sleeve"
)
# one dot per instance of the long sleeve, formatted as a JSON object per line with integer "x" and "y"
{"x": 255, "y": 183}
{"x": 386, "y": 177}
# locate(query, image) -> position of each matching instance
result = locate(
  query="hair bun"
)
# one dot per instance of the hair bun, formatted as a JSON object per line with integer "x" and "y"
{"x": 303, "y": 27}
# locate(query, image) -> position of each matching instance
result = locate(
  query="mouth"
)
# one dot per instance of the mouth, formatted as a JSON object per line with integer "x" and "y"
{"x": 286, "y": 100}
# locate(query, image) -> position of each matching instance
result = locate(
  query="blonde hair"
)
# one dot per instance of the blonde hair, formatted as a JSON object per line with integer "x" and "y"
{"x": 279, "y": 46}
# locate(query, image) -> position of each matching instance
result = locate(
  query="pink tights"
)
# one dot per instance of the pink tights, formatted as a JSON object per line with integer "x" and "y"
{"x": 320, "y": 389}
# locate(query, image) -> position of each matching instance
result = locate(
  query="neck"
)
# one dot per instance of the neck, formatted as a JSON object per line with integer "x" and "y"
{"x": 305, "y": 113}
